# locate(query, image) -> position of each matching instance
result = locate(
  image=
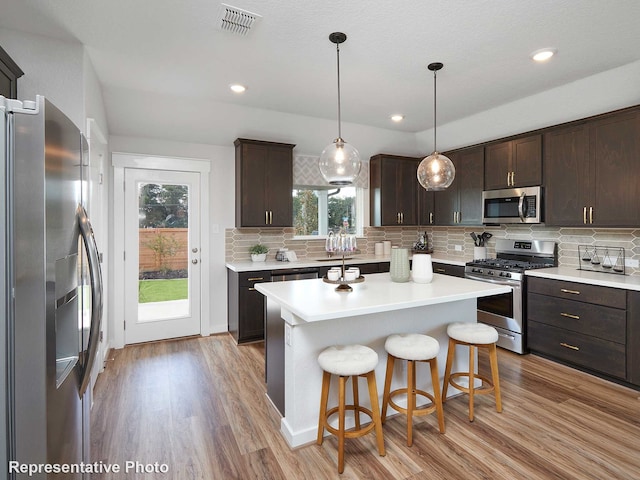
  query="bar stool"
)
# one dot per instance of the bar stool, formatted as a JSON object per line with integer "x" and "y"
{"x": 349, "y": 361}
{"x": 413, "y": 348}
{"x": 473, "y": 335}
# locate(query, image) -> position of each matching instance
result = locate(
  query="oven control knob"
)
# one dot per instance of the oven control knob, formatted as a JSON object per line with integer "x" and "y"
{"x": 490, "y": 272}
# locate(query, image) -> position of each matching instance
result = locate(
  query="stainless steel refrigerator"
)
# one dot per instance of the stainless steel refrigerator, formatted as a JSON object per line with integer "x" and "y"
{"x": 51, "y": 289}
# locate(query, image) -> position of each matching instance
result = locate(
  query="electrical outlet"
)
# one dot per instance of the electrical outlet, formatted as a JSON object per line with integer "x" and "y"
{"x": 458, "y": 248}
{"x": 287, "y": 334}
{"x": 631, "y": 262}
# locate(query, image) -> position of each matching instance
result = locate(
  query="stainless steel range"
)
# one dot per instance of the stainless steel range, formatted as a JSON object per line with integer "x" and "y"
{"x": 505, "y": 312}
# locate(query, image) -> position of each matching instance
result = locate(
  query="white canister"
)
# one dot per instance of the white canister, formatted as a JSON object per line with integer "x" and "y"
{"x": 479, "y": 253}
{"x": 422, "y": 268}
{"x": 386, "y": 247}
{"x": 378, "y": 248}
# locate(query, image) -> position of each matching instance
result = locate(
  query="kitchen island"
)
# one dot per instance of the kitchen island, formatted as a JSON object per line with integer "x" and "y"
{"x": 306, "y": 316}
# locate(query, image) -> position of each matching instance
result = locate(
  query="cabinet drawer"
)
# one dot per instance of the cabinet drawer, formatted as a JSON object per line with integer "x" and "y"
{"x": 603, "y": 322}
{"x": 248, "y": 279}
{"x": 611, "y": 297}
{"x": 446, "y": 269}
{"x": 581, "y": 350}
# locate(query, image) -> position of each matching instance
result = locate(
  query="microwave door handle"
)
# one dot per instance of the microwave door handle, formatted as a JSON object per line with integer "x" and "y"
{"x": 521, "y": 207}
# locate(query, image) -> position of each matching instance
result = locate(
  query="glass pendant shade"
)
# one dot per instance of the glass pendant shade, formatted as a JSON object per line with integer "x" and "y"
{"x": 436, "y": 172}
{"x": 340, "y": 163}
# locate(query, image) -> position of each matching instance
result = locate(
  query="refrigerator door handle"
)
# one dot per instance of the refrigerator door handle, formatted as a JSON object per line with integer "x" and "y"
{"x": 95, "y": 275}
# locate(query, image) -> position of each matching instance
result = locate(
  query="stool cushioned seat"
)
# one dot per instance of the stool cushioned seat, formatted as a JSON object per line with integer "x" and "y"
{"x": 472, "y": 333}
{"x": 348, "y": 360}
{"x": 412, "y": 346}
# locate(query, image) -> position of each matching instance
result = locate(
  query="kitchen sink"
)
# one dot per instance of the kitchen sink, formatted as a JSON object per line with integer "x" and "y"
{"x": 332, "y": 259}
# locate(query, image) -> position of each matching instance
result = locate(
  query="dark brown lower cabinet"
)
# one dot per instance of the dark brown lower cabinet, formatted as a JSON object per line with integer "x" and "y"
{"x": 246, "y": 305}
{"x": 587, "y": 326}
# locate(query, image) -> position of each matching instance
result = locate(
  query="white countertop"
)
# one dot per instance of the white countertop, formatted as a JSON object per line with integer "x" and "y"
{"x": 571, "y": 274}
{"x": 314, "y": 300}
{"x": 272, "y": 264}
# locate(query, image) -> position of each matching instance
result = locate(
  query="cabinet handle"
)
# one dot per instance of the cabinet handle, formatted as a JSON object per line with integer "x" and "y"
{"x": 568, "y": 315}
{"x": 270, "y": 217}
{"x": 266, "y": 217}
{"x": 402, "y": 217}
{"x": 574, "y": 292}
{"x": 440, "y": 270}
{"x": 566, "y": 345}
{"x": 513, "y": 179}
{"x": 251, "y": 289}
{"x": 508, "y": 179}
{"x": 430, "y": 217}
{"x": 584, "y": 215}
{"x": 590, "y": 214}
{"x": 459, "y": 217}
{"x": 254, "y": 279}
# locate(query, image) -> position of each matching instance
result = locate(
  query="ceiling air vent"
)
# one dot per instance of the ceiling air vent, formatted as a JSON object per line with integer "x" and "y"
{"x": 235, "y": 20}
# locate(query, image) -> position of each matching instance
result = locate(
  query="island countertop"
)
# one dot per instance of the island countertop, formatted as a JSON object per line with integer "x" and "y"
{"x": 314, "y": 300}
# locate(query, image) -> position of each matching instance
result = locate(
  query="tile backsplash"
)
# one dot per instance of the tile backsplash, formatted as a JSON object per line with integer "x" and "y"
{"x": 443, "y": 240}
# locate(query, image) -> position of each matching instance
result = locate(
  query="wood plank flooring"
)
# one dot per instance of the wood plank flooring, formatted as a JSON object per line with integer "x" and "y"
{"x": 198, "y": 405}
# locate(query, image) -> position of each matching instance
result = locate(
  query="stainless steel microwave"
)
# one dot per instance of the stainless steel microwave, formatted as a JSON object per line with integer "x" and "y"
{"x": 512, "y": 205}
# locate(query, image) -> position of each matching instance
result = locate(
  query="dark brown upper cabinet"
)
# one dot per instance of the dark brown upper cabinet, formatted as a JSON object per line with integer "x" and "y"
{"x": 264, "y": 181}
{"x": 460, "y": 204}
{"x": 515, "y": 163}
{"x": 394, "y": 190}
{"x": 592, "y": 170}
{"x": 9, "y": 74}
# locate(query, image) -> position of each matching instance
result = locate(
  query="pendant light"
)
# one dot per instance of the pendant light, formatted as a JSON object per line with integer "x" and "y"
{"x": 435, "y": 172}
{"x": 339, "y": 162}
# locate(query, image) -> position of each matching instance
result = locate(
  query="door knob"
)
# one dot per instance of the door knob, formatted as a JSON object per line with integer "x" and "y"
{"x": 194, "y": 261}
{"x": 194, "y": 249}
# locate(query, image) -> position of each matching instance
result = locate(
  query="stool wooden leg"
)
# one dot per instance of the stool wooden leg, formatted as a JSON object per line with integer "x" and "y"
{"x": 411, "y": 399}
{"x": 324, "y": 398}
{"x": 447, "y": 371}
{"x": 472, "y": 380}
{"x": 493, "y": 359}
{"x": 341, "y": 404}
{"x": 375, "y": 410}
{"x": 387, "y": 385}
{"x": 356, "y": 401}
{"x": 435, "y": 381}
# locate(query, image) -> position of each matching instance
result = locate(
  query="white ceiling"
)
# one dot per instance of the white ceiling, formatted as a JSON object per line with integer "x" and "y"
{"x": 173, "y": 47}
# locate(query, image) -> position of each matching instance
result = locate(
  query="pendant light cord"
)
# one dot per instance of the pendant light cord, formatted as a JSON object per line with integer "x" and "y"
{"x": 339, "y": 112}
{"x": 435, "y": 97}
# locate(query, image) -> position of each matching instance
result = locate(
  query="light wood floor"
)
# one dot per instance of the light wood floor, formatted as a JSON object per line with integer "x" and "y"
{"x": 198, "y": 405}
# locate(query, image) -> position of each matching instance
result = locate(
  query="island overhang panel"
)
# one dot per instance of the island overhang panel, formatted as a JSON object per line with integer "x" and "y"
{"x": 306, "y": 316}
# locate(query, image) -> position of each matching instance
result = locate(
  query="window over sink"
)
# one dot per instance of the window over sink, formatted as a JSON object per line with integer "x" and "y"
{"x": 320, "y": 210}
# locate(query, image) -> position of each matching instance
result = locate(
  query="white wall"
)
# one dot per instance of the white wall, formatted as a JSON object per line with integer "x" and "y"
{"x": 221, "y": 206}
{"x": 51, "y": 67}
{"x": 601, "y": 93}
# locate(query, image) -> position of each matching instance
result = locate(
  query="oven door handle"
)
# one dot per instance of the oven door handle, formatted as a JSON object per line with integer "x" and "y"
{"x": 521, "y": 207}
{"x": 510, "y": 283}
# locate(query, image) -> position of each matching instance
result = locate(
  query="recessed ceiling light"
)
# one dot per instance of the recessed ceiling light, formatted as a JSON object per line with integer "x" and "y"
{"x": 237, "y": 88}
{"x": 543, "y": 54}
{"x": 397, "y": 117}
